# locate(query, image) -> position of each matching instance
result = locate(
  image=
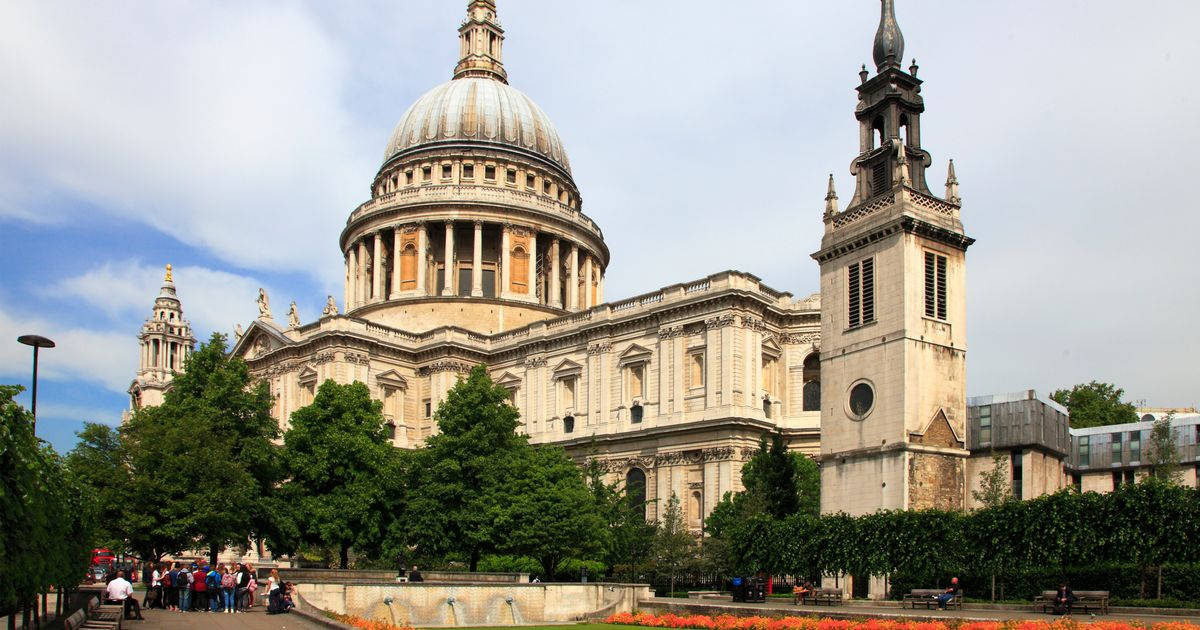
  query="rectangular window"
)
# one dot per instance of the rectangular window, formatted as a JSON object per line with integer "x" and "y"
{"x": 861, "y": 283}
{"x": 1077, "y": 481}
{"x": 545, "y": 187}
{"x": 695, "y": 370}
{"x": 446, "y": 171}
{"x": 1085, "y": 450}
{"x": 935, "y": 285}
{"x": 1135, "y": 446}
{"x": 985, "y": 424}
{"x": 489, "y": 172}
{"x": 879, "y": 178}
{"x": 530, "y": 182}
{"x": 568, "y": 393}
{"x": 426, "y": 173}
{"x": 441, "y": 280}
{"x": 464, "y": 282}
{"x": 1116, "y": 477}
{"x": 428, "y": 408}
{"x": 468, "y": 171}
{"x": 1117, "y": 455}
{"x": 1018, "y": 475}
{"x": 511, "y": 176}
{"x": 408, "y": 177}
{"x": 636, "y": 377}
{"x": 489, "y": 283}
{"x": 1130, "y": 476}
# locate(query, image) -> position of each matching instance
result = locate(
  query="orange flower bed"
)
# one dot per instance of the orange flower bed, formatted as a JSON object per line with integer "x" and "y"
{"x": 730, "y": 622}
{"x": 365, "y": 624}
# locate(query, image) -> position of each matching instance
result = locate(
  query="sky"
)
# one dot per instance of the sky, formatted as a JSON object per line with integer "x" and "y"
{"x": 232, "y": 140}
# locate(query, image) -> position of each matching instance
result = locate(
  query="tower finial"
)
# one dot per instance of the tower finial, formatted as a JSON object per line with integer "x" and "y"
{"x": 889, "y": 41}
{"x": 831, "y": 199}
{"x": 168, "y": 278}
{"x": 481, "y": 43}
{"x": 952, "y": 185}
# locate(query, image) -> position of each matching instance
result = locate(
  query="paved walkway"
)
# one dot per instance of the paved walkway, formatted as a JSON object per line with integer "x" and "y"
{"x": 257, "y": 619}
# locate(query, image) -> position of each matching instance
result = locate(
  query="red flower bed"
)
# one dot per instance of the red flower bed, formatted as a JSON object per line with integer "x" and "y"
{"x": 365, "y": 624}
{"x": 730, "y": 622}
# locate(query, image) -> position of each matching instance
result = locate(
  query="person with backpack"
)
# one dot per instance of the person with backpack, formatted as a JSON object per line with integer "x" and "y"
{"x": 243, "y": 586}
{"x": 252, "y": 587}
{"x": 200, "y": 589}
{"x": 183, "y": 583}
{"x": 228, "y": 588}
{"x": 212, "y": 583}
{"x": 170, "y": 590}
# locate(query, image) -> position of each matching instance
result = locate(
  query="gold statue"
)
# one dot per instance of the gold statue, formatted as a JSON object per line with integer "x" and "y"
{"x": 169, "y": 273}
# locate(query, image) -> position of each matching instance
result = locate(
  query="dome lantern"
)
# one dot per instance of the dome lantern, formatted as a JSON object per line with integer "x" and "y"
{"x": 482, "y": 43}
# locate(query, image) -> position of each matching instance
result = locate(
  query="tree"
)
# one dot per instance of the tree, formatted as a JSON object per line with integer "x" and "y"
{"x": 674, "y": 545}
{"x": 1095, "y": 404}
{"x": 1162, "y": 454}
{"x": 995, "y": 485}
{"x": 335, "y": 456}
{"x": 204, "y": 468}
{"x": 458, "y": 481}
{"x": 629, "y": 536}
{"x": 96, "y": 461}
{"x": 550, "y": 514}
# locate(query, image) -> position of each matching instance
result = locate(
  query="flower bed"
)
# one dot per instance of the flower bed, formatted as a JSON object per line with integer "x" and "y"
{"x": 730, "y": 622}
{"x": 365, "y": 624}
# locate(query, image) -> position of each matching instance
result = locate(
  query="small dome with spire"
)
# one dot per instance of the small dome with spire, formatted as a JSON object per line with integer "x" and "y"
{"x": 888, "y": 50}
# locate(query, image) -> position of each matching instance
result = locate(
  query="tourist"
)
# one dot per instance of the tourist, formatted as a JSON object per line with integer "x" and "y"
{"x": 242, "y": 578}
{"x": 120, "y": 591}
{"x": 212, "y": 580}
{"x": 415, "y": 575}
{"x": 228, "y": 589}
{"x": 949, "y": 595}
{"x": 1063, "y": 599}
{"x": 287, "y": 603}
{"x": 252, "y": 587}
{"x": 200, "y": 588}
{"x": 184, "y": 584}
{"x": 171, "y": 586}
{"x": 799, "y": 591}
{"x": 273, "y": 594}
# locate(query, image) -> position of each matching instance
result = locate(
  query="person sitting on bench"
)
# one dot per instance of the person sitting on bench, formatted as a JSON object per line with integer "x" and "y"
{"x": 949, "y": 595}
{"x": 120, "y": 591}
{"x": 799, "y": 591}
{"x": 1063, "y": 599}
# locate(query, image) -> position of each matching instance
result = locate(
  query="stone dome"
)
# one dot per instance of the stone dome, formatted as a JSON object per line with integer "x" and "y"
{"x": 478, "y": 110}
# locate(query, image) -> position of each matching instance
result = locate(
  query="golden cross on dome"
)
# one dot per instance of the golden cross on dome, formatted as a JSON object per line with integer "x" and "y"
{"x": 169, "y": 273}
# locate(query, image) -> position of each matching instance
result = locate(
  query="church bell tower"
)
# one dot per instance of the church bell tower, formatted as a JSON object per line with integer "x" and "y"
{"x": 893, "y": 317}
{"x": 164, "y": 344}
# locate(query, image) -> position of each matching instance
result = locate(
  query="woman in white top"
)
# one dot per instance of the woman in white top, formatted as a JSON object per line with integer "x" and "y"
{"x": 273, "y": 592}
{"x": 156, "y": 587}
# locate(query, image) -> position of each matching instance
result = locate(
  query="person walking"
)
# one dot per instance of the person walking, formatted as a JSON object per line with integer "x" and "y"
{"x": 274, "y": 594}
{"x": 253, "y": 586}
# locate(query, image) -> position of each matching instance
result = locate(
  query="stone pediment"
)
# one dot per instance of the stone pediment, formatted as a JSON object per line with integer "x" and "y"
{"x": 261, "y": 338}
{"x": 508, "y": 379}
{"x": 567, "y": 368}
{"x": 634, "y": 354}
{"x": 307, "y": 376}
{"x": 938, "y": 433}
{"x": 392, "y": 378}
{"x": 771, "y": 348}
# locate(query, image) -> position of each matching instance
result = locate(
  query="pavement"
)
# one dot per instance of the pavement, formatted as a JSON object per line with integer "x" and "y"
{"x": 256, "y": 619}
{"x": 864, "y": 610}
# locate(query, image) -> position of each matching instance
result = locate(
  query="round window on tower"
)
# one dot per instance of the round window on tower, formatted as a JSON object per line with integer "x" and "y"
{"x": 861, "y": 400}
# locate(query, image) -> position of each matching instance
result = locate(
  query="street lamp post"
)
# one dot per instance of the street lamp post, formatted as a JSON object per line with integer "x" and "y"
{"x": 38, "y": 342}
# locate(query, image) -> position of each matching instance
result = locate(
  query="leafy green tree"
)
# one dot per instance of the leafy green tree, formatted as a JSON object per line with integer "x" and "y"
{"x": 629, "y": 536}
{"x": 458, "y": 481}
{"x": 995, "y": 485}
{"x": 674, "y": 546}
{"x": 203, "y": 463}
{"x": 335, "y": 456}
{"x": 96, "y": 461}
{"x": 1095, "y": 404}
{"x": 1162, "y": 454}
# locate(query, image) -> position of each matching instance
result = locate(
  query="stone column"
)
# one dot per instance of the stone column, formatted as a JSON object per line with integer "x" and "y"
{"x": 395, "y": 263}
{"x": 422, "y": 263}
{"x": 505, "y": 259}
{"x": 363, "y": 289}
{"x": 477, "y": 262}
{"x": 573, "y": 278}
{"x": 377, "y": 273}
{"x": 533, "y": 265}
{"x": 448, "y": 271}
{"x": 351, "y": 277}
{"x": 587, "y": 282}
{"x": 555, "y": 286}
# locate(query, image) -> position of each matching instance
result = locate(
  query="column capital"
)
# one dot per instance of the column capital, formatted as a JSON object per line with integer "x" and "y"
{"x": 477, "y": 223}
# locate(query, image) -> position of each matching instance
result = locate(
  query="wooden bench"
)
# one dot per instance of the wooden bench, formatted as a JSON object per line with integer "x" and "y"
{"x": 818, "y": 596}
{"x": 1085, "y": 601}
{"x": 927, "y": 597}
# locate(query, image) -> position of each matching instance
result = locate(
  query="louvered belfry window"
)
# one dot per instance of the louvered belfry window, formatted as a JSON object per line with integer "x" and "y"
{"x": 935, "y": 285}
{"x": 861, "y": 283}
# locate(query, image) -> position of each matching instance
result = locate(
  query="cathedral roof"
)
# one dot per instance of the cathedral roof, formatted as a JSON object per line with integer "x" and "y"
{"x": 478, "y": 110}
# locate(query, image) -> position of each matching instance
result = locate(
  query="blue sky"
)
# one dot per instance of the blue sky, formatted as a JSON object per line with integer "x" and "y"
{"x": 232, "y": 139}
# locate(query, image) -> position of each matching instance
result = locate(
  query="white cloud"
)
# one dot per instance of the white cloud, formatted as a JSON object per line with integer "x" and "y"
{"x": 104, "y": 357}
{"x": 223, "y": 128}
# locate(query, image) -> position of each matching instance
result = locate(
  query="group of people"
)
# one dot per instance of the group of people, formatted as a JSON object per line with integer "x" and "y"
{"x": 221, "y": 589}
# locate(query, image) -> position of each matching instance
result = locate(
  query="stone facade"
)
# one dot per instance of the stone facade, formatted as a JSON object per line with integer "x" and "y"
{"x": 164, "y": 344}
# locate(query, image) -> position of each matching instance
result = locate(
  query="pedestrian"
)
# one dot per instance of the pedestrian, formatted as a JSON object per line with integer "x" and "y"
{"x": 185, "y": 588}
{"x": 274, "y": 597}
{"x": 200, "y": 587}
{"x": 171, "y": 586}
{"x": 228, "y": 589}
{"x": 243, "y": 584}
{"x": 212, "y": 580}
{"x": 252, "y": 587}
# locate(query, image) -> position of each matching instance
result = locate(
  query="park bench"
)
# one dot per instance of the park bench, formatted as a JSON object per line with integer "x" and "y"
{"x": 927, "y": 597}
{"x": 830, "y": 596}
{"x": 92, "y": 617}
{"x": 1085, "y": 601}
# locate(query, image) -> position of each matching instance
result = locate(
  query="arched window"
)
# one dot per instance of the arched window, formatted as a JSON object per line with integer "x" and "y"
{"x": 569, "y": 424}
{"x": 811, "y": 392}
{"x": 880, "y": 130}
{"x": 695, "y": 509}
{"x": 767, "y": 407}
{"x": 905, "y": 130}
{"x": 519, "y": 275}
{"x": 635, "y": 490}
{"x": 635, "y": 413}
{"x": 408, "y": 267}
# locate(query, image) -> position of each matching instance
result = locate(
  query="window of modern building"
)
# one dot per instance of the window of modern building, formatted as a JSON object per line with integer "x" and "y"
{"x": 1085, "y": 450}
{"x": 635, "y": 413}
{"x": 569, "y": 424}
{"x": 695, "y": 372}
{"x": 1116, "y": 479}
{"x": 489, "y": 172}
{"x": 1117, "y": 454}
{"x": 1018, "y": 475}
{"x": 468, "y": 171}
{"x": 985, "y": 424}
{"x": 1077, "y": 481}
{"x": 1131, "y": 476}
{"x": 935, "y": 285}
{"x": 1135, "y": 446}
{"x": 861, "y": 298}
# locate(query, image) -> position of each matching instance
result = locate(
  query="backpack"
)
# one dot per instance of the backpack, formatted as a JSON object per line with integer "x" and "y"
{"x": 213, "y": 580}
{"x": 168, "y": 579}
{"x": 228, "y": 581}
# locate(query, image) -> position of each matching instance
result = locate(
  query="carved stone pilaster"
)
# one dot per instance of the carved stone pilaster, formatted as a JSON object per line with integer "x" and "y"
{"x": 670, "y": 332}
